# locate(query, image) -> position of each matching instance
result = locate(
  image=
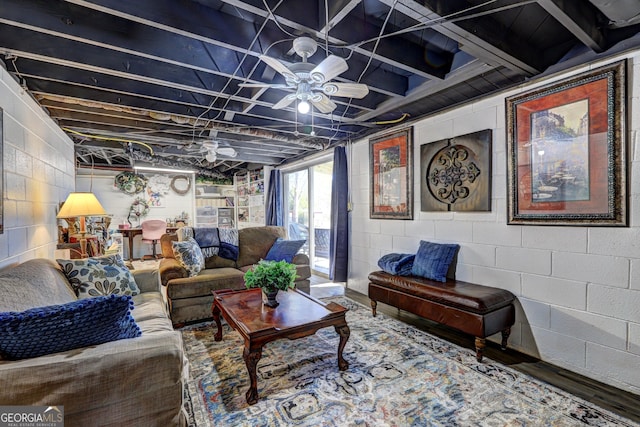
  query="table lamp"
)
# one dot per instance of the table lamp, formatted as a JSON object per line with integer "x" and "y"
{"x": 81, "y": 204}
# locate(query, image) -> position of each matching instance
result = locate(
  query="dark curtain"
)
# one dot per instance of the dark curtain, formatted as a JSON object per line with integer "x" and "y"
{"x": 275, "y": 201}
{"x": 339, "y": 236}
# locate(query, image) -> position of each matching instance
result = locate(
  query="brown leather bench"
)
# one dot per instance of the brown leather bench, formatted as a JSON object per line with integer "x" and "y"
{"x": 474, "y": 309}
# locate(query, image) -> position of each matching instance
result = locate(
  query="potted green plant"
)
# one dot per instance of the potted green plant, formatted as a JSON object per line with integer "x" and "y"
{"x": 271, "y": 277}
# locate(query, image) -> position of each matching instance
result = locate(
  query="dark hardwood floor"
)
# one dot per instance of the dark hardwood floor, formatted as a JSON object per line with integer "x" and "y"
{"x": 618, "y": 401}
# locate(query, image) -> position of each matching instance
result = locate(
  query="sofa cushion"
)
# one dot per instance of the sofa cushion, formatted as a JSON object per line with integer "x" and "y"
{"x": 205, "y": 282}
{"x": 255, "y": 243}
{"x": 98, "y": 276}
{"x": 189, "y": 255}
{"x": 216, "y": 261}
{"x": 284, "y": 250}
{"x": 151, "y": 313}
{"x": 433, "y": 259}
{"x": 56, "y": 328}
{"x": 166, "y": 244}
{"x": 34, "y": 283}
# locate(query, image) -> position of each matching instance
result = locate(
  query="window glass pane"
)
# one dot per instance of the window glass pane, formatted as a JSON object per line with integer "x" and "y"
{"x": 321, "y": 196}
{"x": 297, "y": 195}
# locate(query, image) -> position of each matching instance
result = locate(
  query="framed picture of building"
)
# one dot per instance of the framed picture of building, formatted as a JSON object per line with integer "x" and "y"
{"x": 566, "y": 152}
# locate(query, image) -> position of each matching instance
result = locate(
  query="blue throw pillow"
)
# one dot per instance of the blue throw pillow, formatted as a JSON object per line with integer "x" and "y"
{"x": 397, "y": 264}
{"x": 284, "y": 250}
{"x": 57, "y": 328}
{"x": 433, "y": 259}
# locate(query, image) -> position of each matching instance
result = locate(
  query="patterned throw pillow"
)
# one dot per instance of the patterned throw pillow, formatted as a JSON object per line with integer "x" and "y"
{"x": 99, "y": 276}
{"x": 57, "y": 328}
{"x": 433, "y": 259}
{"x": 189, "y": 255}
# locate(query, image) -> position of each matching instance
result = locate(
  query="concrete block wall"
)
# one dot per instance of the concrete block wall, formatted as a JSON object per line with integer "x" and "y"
{"x": 39, "y": 172}
{"x": 578, "y": 288}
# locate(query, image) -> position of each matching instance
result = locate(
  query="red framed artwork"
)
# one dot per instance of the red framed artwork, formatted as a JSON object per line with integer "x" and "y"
{"x": 566, "y": 152}
{"x": 391, "y": 171}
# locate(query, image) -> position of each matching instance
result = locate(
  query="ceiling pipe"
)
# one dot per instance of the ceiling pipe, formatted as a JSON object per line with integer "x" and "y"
{"x": 202, "y": 124}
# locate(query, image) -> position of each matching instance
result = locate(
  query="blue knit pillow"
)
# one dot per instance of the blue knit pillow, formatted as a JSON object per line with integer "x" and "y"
{"x": 284, "y": 250}
{"x": 57, "y": 328}
{"x": 397, "y": 264}
{"x": 433, "y": 259}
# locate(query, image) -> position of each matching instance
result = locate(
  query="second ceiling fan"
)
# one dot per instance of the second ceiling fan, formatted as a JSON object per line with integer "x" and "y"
{"x": 311, "y": 82}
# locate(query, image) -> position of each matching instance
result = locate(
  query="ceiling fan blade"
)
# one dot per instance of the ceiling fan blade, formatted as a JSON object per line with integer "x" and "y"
{"x": 276, "y": 86}
{"x": 349, "y": 90}
{"x": 330, "y": 67}
{"x": 227, "y": 151}
{"x": 323, "y": 103}
{"x": 278, "y": 66}
{"x": 284, "y": 102}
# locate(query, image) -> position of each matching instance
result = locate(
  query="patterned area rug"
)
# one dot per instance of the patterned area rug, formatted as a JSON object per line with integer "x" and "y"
{"x": 398, "y": 376}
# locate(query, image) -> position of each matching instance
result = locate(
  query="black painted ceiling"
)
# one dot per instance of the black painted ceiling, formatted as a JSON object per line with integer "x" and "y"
{"x": 148, "y": 81}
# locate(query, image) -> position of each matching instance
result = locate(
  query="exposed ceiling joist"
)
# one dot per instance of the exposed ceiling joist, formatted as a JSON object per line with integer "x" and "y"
{"x": 172, "y": 76}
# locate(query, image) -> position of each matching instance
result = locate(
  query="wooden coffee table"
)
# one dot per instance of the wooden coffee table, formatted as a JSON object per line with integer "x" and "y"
{"x": 297, "y": 316}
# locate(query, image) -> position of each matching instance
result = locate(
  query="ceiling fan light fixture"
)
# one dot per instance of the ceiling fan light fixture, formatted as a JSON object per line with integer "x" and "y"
{"x": 211, "y": 156}
{"x": 303, "y": 107}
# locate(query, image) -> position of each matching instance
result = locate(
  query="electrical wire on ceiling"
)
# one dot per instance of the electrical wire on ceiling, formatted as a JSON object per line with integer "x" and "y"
{"x": 394, "y": 121}
{"x": 371, "y": 55}
{"x": 271, "y": 16}
{"x": 418, "y": 27}
{"x": 234, "y": 74}
{"x": 108, "y": 138}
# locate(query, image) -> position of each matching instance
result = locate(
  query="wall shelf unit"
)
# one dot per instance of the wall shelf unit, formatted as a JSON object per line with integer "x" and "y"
{"x": 215, "y": 205}
{"x": 251, "y": 188}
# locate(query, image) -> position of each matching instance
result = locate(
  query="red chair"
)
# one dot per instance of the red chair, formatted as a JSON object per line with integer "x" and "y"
{"x": 152, "y": 230}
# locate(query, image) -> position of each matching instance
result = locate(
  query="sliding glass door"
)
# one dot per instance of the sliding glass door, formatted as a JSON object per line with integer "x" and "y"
{"x": 308, "y": 201}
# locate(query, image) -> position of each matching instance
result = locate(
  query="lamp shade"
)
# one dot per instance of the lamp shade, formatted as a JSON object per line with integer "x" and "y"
{"x": 81, "y": 204}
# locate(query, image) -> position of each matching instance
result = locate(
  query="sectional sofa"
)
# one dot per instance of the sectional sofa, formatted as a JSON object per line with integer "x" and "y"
{"x": 127, "y": 382}
{"x": 190, "y": 297}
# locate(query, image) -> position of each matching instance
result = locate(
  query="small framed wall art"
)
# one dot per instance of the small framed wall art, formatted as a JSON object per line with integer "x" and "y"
{"x": 566, "y": 152}
{"x": 391, "y": 172}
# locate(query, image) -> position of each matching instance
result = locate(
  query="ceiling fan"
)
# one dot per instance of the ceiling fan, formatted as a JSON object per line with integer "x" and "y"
{"x": 311, "y": 82}
{"x": 212, "y": 148}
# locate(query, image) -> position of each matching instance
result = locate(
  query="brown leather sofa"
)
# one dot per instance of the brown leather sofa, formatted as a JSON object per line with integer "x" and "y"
{"x": 190, "y": 298}
{"x": 474, "y": 309}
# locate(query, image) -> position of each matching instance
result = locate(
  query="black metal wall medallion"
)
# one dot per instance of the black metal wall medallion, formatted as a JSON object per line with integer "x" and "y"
{"x": 456, "y": 173}
{"x": 452, "y": 174}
